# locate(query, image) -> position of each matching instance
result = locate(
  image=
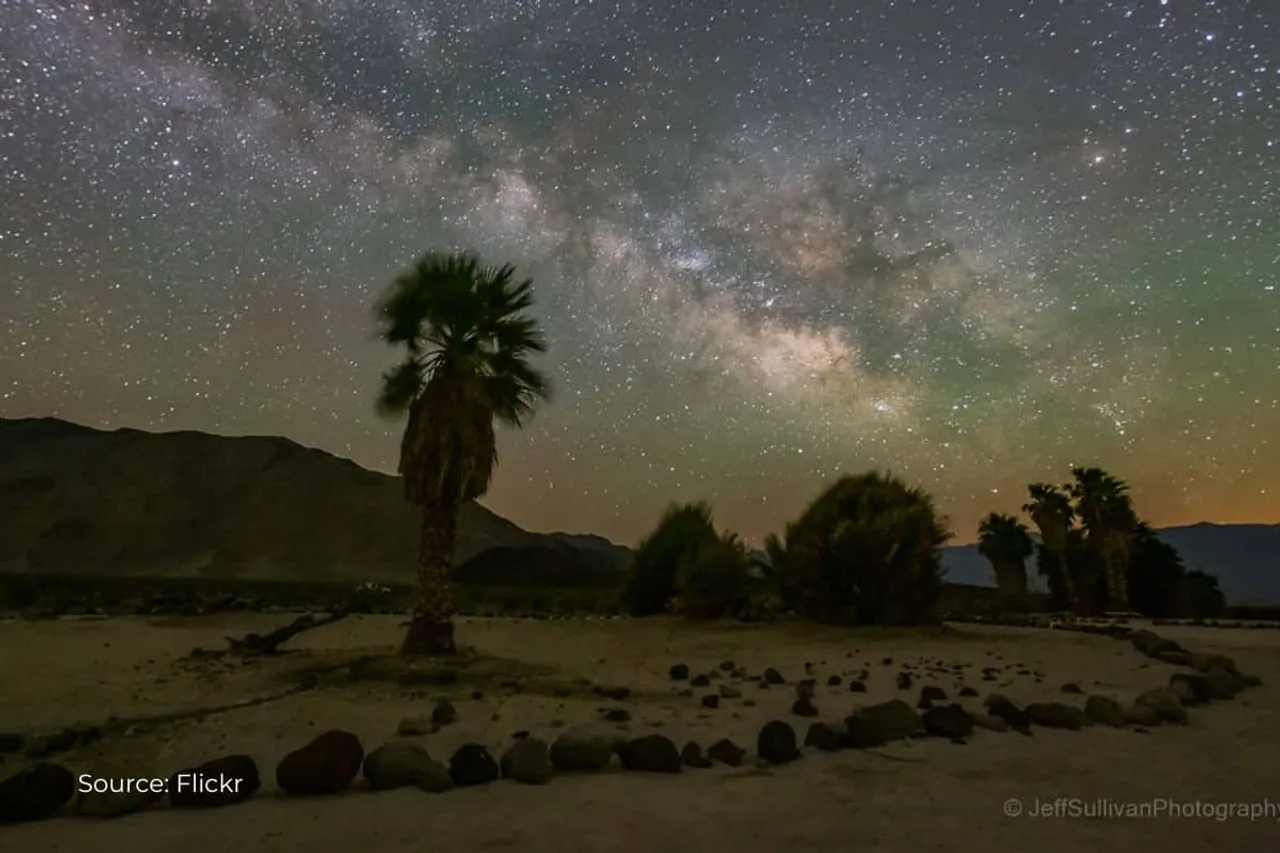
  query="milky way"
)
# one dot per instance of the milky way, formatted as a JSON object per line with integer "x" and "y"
{"x": 969, "y": 242}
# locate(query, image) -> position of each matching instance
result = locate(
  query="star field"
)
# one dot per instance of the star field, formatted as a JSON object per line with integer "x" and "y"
{"x": 970, "y": 242}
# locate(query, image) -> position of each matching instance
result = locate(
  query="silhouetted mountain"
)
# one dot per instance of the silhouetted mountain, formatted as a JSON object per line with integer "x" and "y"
{"x": 76, "y": 500}
{"x": 1244, "y": 557}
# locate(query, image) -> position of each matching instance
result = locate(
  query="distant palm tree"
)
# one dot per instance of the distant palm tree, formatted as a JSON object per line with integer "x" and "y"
{"x": 1051, "y": 511}
{"x": 1004, "y": 541}
{"x": 1106, "y": 510}
{"x": 467, "y": 342}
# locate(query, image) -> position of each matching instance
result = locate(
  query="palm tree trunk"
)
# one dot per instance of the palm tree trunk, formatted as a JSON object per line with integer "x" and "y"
{"x": 431, "y": 625}
{"x": 1118, "y": 584}
{"x": 1068, "y": 582}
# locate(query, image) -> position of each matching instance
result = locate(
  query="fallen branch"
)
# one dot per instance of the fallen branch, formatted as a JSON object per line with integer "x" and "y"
{"x": 257, "y": 644}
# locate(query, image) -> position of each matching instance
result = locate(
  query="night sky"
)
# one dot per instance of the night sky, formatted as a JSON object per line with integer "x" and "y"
{"x": 970, "y": 242}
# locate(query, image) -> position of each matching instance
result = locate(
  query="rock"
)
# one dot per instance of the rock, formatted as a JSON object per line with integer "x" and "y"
{"x": 966, "y": 692}
{"x": 727, "y": 752}
{"x": 904, "y": 681}
{"x": 857, "y": 687}
{"x": 679, "y": 672}
{"x": 806, "y": 688}
{"x": 1140, "y": 715}
{"x": 776, "y": 743}
{"x": 396, "y": 764}
{"x": 1006, "y": 710}
{"x": 617, "y": 715}
{"x": 876, "y": 725}
{"x": 700, "y": 681}
{"x": 772, "y": 676}
{"x": 804, "y": 708}
{"x": 651, "y": 754}
{"x": 527, "y": 761}
{"x": 11, "y": 743}
{"x": 1165, "y": 703}
{"x": 1191, "y": 689}
{"x": 413, "y": 726}
{"x": 1055, "y": 715}
{"x": 932, "y": 693}
{"x": 1221, "y": 683}
{"x": 444, "y": 713}
{"x": 327, "y": 765}
{"x": 728, "y": 691}
{"x": 989, "y": 722}
{"x": 98, "y": 803}
{"x": 1071, "y": 687}
{"x": 691, "y": 756}
{"x": 822, "y": 737}
{"x": 711, "y": 700}
{"x": 834, "y": 681}
{"x": 36, "y": 793}
{"x": 220, "y": 782}
{"x": 949, "y": 721}
{"x": 576, "y": 750}
{"x": 727, "y": 666}
{"x": 924, "y": 705}
{"x": 472, "y": 764}
{"x": 1105, "y": 711}
{"x": 1204, "y": 663}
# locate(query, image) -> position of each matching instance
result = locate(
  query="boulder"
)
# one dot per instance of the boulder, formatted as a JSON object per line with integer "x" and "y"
{"x": 471, "y": 764}
{"x": 528, "y": 760}
{"x": 397, "y": 764}
{"x": 823, "y": 737}
{"x": 772, "y": 676}
{"x": 326, "y": 765}
{"x": 1165, "y": 703}
{"x": 932, "y": 693}
{"x": 652, "y": 753}
{"x": 1190, "y": 688}
{"x": 988, "y": 721}
{"x": 1005, "y": 709}
{"x": 949, "y": 721}
{"x": 804, "y": 707}
{"x": 857, "y": 686}
{"x": 444, "y": 713}
{"x": 1105, "y": 711}
{"x": 776, "y": 743}
{"x": 1055, "y": 715}
{"x": 220, "y": 782}
{"x": 876, "y": 725}
{"x": 691, "y": 756}
{"x": 35, "y": 793}
{"x": 1140, "y": 715}
{"x": 577, "y": 750}
{"x": 726, "y": 752}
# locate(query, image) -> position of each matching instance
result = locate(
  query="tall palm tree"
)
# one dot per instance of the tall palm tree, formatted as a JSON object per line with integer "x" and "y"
{"x": 1106, "y": 510}
{"x": 1051, "y": 512}
{"x": 466, "y": 343}
{"x": 1004, "y": 541}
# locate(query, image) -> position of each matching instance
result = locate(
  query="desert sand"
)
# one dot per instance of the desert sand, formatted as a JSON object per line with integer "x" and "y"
{"x": 925, "y": 794}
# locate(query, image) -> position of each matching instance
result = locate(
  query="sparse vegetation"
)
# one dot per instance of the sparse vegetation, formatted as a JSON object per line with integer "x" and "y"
{"x": 681, "y": 533}
{"x": 868, "y": 550}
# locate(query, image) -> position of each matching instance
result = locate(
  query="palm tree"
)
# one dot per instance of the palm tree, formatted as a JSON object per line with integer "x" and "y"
{"x": 1106, "y": 510}
{"x": 1004, "y": 541}
{"x": 467, "y": 341}
{"x": 1051, "y": 512}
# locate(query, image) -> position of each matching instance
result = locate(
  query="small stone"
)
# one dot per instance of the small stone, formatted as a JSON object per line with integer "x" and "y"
{"x": 857, "y": 687}
{"x": 527, "y": 761}
{"x": 876, "y": 725}
{"x": 726, "y": 752}
{"x": 728, "y": 691}
{"x": 776, "y": 743}
{"x": 772, "y": 676}
{"x": 651, "y": 754}
{"x": 1071, "y": 687}
{"x": 679, "y": 672}
{"x": 932, "y": 693}
{"x": 949, "y": 721}
{"x": 804, "y": 707}
{"x": 700, "y": 681}
{"x": 966, "y": 692}
{"x": 822, "y": 737}
{"x": 806, "y": 688}
{"x": 397, "y": 764}
{"x": 711, "y": 700}
{"x": 727, "y": 666}
{"x": 472, "y": 764}
{"x": 834, "y": 681}
{"x": 691, "y": 756}
{"x": 414, "y": 726}
{"x": 617, "y": 715}
{"x": 444, "y": 713}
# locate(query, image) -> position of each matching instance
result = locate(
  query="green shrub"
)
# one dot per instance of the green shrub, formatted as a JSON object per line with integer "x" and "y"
{"x": 715, "y": 581}
{"x": 682, "y": 532}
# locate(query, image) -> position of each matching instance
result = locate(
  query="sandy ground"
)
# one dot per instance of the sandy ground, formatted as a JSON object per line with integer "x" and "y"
{"x": 924, "y": 795}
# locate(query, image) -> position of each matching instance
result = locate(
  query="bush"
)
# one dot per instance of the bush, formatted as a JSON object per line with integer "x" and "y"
{"x": 682, "y": 532}
{"x": 714, "y": 582}
{"x": 867, "y": 551}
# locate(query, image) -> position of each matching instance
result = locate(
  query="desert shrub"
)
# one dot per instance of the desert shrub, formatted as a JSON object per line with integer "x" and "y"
{"x": 681, "y": 533}
{"x": 868, "y": 550}
{"x": 714, "y": 582}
